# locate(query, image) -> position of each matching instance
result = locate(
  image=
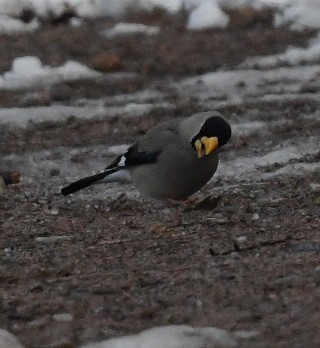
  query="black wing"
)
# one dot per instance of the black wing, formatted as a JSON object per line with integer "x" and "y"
{"x": 134, "y": 157}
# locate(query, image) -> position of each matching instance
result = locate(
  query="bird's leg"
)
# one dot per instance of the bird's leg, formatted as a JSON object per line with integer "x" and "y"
{"x": 185, "y": 202}
{"x": 197, "y": 203}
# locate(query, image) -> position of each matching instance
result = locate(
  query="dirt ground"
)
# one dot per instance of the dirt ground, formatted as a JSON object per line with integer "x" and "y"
{"x": 246, "y": 257}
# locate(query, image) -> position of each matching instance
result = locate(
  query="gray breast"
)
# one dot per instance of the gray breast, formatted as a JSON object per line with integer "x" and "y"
{"x": 177, "y": 174}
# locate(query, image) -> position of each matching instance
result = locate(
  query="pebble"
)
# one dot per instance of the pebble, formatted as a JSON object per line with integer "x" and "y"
{"x": 314, "y": 186}
{"x": 37, "y": 323}
{"x": 219, "y": 219}
{"x": 107, "y": 62}
{"x": 55, "y": 172}
{"x": 241, "y": 239}
{"x": 53, "y": 239}
{"x": 54, "y": 211}
{"x": 65, "y": 317}
{"x": 255, "y": 216}
{"x": 238, "y": 242}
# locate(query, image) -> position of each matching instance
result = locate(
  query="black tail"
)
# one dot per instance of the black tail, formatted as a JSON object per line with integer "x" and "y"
{"x": 85, "y": 182}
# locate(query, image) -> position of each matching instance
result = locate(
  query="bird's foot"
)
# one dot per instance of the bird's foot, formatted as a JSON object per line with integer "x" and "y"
{"x": 196, "y": 203}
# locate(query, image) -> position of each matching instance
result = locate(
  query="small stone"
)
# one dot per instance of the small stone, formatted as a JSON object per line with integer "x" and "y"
{"x": 241, "y": 239}
{"x": 237, "y": 191}
{"x": 62, "y": 317}
{"x": 37, "y": 323}
{"x": 219, "y": 219}
{"x": 222, "y": 221}
{"x": 238, "y": 243}
{"x": 55, "y": 172}
{"x": 54, "y": 211}
{"x": 314, "y": 186}
{"x": 255, "y": 216}
{"x": 241, "y": 84}
{"x": 54, "y": 239}
{"x": 107, "y": 62}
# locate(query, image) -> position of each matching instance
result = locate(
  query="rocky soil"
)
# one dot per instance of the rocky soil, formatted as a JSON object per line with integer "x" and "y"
{"x": 106, "y": 262}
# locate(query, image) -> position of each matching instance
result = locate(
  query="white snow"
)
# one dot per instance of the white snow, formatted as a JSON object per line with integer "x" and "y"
{"x": 12, "y": 8}
{"x": 171, "y": 6}
{"x": 117, "y": 150}
{"x": 239, "y": 84}
{"x": 301, "y": 14}
{"x": 130, "y": 28}
{"x": 9, "y": 25}
{"x": 293, "y": 56}
{"x": 21, "y": 117}
{"x": 207, "y": 14}
{"x": 8, "y": 340}
{"x": 29, "y": 72}
{"x": 287, "y": 156}
{"x": 202, "y": 13}
{"x": 176, "y": 336}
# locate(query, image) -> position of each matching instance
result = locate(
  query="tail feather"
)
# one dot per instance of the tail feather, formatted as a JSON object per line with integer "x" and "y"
{"x": 85, "y": 182}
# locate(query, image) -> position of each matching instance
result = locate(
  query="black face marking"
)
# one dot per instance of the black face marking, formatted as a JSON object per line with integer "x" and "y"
{"x": 134, "y": 157}
{"x": 214, "y": 126}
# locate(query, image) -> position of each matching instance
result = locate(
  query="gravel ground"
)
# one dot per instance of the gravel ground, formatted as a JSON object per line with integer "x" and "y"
{"x": 101, "y": 263}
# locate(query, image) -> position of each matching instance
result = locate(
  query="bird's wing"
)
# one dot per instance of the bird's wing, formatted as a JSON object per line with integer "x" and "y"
{"x": 134, "y": 157}
{"x": 150, "y": 146}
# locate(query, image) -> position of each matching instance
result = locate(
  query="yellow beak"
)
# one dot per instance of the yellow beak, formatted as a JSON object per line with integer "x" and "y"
{"x": 205, "y": 146}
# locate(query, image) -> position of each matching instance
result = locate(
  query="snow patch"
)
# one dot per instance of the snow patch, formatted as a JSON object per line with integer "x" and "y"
{"x": 293, "y": 56}
{"x": 202, "y": 13}
{"x": 171, "y": 6}
{"x": 207, "y": 14}
{"x": 117, "y": 150}
{"x": 130, "y": 28}
{"x": 300, "y": 14}
{"x": 29, "y": 72}
{"x": 259, "y": 167}
{"x": 21, "y": 117}
{"x": 177, "y": 336}
{"x": 12, "y": 8}
{"x": 9, "y": 25}
{"x": 239, "y": 84}
{"x": 8, "y": 340}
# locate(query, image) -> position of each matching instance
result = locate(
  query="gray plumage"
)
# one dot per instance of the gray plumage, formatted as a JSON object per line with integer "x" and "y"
{"x": 164, "y": 163}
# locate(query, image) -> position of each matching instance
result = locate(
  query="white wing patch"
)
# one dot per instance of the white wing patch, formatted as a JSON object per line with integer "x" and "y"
{"x": 122, "y": 161}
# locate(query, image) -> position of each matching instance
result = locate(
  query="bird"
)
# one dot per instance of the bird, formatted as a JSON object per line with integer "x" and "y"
{"x": 173, "y": 160}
